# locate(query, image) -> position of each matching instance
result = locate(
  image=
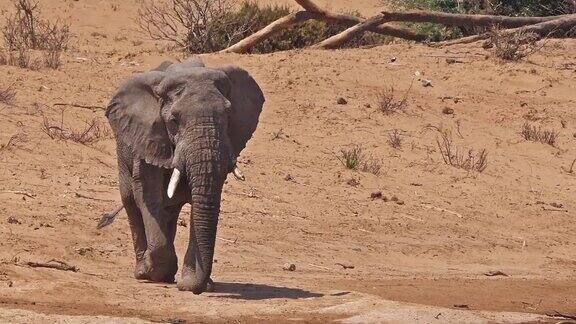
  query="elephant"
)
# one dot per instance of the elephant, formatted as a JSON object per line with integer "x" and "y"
{"x": 179, "y": 121}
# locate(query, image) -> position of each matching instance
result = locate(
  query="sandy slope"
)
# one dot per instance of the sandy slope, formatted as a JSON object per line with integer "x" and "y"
{"x": 412, "y": 261}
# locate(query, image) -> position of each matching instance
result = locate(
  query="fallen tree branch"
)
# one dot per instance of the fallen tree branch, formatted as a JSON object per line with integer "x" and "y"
{"x": 542, "y": 29}
{"x": 561, "y": 315}
{"x": 451, "y": 19}
{"x": 20, "y": 192}
{"x": 341, "y": 38}
{"x": 273, "y": 28}
{"x": 349, "y": 20}
{"x": 53, "y": 264}
{"x": 93, "y": 108}
{"x": 315, "y": 12}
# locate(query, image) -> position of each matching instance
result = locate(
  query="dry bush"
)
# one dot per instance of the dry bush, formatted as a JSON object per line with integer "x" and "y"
{"x": 190, "y": 24}
{"x": 389, "y": 104}
{"x": 92, "y": 133}
{"x": 537, "y": 134}
{"x": 512, "y": 47}
{"x": 26, "y": 30}
{"x": 200, "y": 26}
{"x": 7, "y": 96}
{"x": 394, "y": 139}
{"x": 354, "y": 158}
{"x": 468, "y": 160}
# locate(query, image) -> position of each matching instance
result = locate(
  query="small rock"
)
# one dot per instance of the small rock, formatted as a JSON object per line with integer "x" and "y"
{"x": 385, "y": 198}
{"x": 13, "y": 220}
{"x": 426, "y": 83}
{"x": 461, "y": 306}
{"x": 353, "y": 182}
{"x": 394, "y": 198}
{"x": 448, "y": 111}
{"x": 341, "y": 101}
{"x": 368, "y": 105}
{"x": 392, "y": 59}
{"x": 10, "y": 283}
{"x": 400, "y": 202}
{"x": 376, "y": 195}
{"x": 556, "y": 205}
{"x": 182, "y": 222}
{"x": 288, "y": 177}
{"x": 416, "y": 184}
{"x": 289, "y": 267}
{"x": 84, "y": 251}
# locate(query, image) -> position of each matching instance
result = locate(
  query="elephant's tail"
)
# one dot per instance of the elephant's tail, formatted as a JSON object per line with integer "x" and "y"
{"x": 108, "y": 218}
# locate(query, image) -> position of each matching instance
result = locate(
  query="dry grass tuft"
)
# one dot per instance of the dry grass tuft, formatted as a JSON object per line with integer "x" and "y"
{"x": 354, "y": 158}
{"x": 92, "y": 133}
{"x": 512, "y": 47}
{"x": 7, "y": 96}
{"x": 394, "y": 139}
{"x": 537, "y": 134}
{"x": 469, "y": 161}
{"x": 389, "y": 104}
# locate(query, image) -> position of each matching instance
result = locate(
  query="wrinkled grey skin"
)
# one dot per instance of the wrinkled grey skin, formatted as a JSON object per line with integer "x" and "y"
{"x": 192, "y": 118}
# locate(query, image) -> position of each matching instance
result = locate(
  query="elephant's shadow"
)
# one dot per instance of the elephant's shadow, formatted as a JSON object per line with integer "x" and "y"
{"x": 249, "y": 291}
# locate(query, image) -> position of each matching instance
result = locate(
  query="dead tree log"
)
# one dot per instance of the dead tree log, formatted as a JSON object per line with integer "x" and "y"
{"x": 315, "y": 12}
{"x": 275, "y": 27}
{"x": 348, "y": 34}
{"x": 349, "y": 20}
{"x": 542, "y": 29}
{"x": 451, "y": 19}
{"x": 545, "y": 24}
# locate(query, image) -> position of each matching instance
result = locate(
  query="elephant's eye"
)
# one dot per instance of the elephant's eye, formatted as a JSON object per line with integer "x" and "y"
{"x": 179, "y": 90}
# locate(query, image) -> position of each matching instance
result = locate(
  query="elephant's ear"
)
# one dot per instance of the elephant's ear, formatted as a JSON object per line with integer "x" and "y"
{"x": 134, "y": 114}
{"x": 247, "y": 99}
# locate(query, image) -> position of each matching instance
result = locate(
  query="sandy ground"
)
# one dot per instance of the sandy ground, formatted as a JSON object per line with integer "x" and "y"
{"x": 424, "y": 260}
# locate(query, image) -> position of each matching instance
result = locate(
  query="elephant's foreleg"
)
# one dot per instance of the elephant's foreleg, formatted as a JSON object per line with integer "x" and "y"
{"x": 149, "y": 193}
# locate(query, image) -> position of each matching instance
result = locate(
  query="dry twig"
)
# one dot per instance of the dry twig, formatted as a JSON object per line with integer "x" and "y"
{"x": 53, "y": 264}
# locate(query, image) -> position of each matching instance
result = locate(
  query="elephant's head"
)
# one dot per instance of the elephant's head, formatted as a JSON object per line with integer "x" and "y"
{"x": 195, "y": 121}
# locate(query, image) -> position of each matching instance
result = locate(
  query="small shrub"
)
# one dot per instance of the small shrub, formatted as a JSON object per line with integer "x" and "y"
{"x": 512, "y": 47}
{"x": 354, "y": 158}
{"x": 469, "y": 161}
{"x": 389, "y": 104}
{"x": 7, "y": 96}
{"x": 92, "y": 133}
{"x": 26, "y": 30}
{"x": 537, "y": 134}
{"x": 371, "y": 165}
{"x": 394, "y": 139}
{"x": 221, "y": 23}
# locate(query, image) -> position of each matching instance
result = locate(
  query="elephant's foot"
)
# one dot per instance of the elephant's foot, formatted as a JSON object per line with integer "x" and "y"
{"x": 157, "y": 267}
{"x": 188, "y": 282}
{"x": 140, "y": 270}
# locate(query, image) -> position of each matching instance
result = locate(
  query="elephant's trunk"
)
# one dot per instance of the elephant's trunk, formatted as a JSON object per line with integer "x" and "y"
{"x": 206, "y": 168}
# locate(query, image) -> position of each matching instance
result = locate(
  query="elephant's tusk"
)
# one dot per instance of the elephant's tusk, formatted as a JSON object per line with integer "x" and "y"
{"x": 174, "y": 180}
{"x": 238, "y": 173}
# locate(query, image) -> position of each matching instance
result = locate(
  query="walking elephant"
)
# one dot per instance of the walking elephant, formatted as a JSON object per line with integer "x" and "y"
{"x": 179, "y": 129}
